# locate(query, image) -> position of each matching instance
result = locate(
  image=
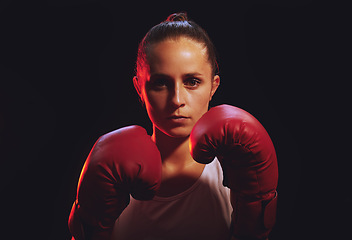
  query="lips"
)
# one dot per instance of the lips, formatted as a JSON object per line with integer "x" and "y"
{"x": 177, "y": 117}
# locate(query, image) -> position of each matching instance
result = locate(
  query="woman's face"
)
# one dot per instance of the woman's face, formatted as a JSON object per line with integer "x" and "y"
{"x": 178, "y": 85}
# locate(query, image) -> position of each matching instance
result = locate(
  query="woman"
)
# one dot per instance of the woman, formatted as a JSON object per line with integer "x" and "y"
{"x": 176, "y": 79}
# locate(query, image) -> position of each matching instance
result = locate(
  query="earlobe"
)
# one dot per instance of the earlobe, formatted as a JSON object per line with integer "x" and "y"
{"x": 215, "y": 85}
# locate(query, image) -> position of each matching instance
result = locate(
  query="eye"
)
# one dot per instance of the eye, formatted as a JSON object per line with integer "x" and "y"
{"x": 157, "y": 83}
{"x": 192, "y": 82}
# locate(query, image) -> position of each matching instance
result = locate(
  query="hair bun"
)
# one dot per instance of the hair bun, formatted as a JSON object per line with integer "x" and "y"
{"x": 177, "y": 17}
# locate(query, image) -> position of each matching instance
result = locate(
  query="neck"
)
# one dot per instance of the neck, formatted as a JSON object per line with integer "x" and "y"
{"x": 173, "y": 150}
{"x": 179, "y": 170}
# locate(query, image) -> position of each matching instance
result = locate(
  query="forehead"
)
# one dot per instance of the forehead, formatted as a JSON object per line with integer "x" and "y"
{"x": 178, "y": 55}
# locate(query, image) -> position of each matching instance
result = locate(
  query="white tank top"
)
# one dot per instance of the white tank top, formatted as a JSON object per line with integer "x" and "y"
{"x": 203, "y": 212}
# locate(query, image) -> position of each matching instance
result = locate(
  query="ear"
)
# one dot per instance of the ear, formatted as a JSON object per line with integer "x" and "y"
{"x": 137, "y": 86}
{"x": 215, "y": 84}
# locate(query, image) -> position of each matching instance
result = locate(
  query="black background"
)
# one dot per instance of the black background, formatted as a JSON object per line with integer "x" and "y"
{"x": 66, "y": 71}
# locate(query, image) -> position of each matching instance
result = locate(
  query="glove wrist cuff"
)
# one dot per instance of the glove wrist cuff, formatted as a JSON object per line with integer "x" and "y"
{"x": 253, "y": 220}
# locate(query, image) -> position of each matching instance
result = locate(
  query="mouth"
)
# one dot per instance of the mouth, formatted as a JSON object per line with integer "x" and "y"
{"x": 178, "y": 118}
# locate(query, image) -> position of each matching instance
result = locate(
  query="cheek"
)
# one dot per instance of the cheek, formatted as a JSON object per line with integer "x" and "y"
{"x": 205, "y": 93}
{"x": 154, "y": 100}
{"x": 154, "y": 103}
{"x": 202, "y": 107}
{"x": 200, "y": 103}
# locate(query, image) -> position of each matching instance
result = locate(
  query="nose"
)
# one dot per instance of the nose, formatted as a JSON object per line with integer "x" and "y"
{"x": 178, "y": 96}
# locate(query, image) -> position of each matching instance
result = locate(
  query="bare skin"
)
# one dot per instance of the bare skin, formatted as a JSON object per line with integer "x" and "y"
{"x": 178, "y": 87}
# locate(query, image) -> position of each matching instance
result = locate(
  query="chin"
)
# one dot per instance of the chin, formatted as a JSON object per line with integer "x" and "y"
{"x": 179, "y": 132}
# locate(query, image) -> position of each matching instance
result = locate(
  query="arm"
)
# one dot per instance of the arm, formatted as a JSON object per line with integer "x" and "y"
{"x": 121, "y": 163}
{"x": 249, "y": 164}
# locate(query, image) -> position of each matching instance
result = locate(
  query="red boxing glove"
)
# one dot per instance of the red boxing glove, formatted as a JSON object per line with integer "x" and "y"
{"x": 249, "y": 163}
{"x": 123, "y": 162}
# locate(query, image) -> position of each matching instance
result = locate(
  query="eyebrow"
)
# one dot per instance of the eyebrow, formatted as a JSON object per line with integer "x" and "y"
{"x": 159, "y": 75}
{"x": 192, "y": 74}
{"x": 155, "y": 75}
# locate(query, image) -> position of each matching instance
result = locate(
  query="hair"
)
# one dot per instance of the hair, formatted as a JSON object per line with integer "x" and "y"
{"x": 175, "y": 26}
